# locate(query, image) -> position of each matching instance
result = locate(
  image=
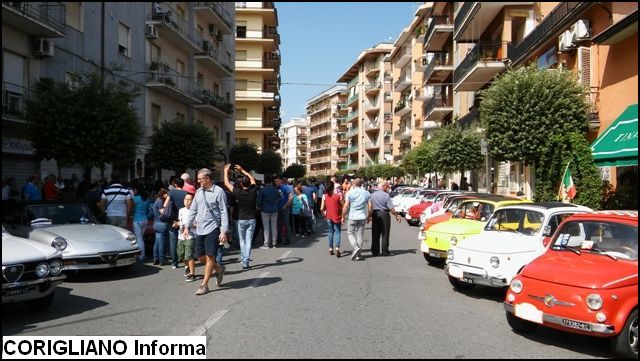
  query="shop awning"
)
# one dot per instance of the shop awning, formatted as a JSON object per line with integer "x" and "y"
{"x": 618, "y": 145}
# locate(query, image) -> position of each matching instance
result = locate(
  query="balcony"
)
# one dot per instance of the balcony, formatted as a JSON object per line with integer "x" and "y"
{"x": 372, "y": 127}
{"x": 440, "y": 29}
{"x": 371, "y": 108}
{"x": 317, "y": 109}
{"x": 214, "y": 13}
{"x": 175, "y": 29}
{"x": 353, "y": 100}
{"x": 420, "y": 63}
{"x": 320, "y": 134}
{"x": 211, "y": 57}
{"x": 403, "y": 107}
{"x": 349, "y": 150}
{"x": 372, "y": 89}
{"x": 14, "y": 98}
{"x": 255, "y": 95}
{"x": 271, "y": 86}
{"x": 437, "y": 107}
{"x": 264, "y": 9}
{"x": 424, "y": 93}
{"x": 429, "y": 124}
{"x": 388, "y": 118}
{"x": 438, "y": 69}
{"x": 351, "y": 133}
{"x": 369, "y": 145}
{"x": 43, "y": 19}
{"x": 402, "y": 83}
{"x": 403, "y": 133}
{"x": 473, "y": 18}
{"x": 482, "y": 63}
{"x": 268, "y": 37}
{"x": 342, "y": 108}
{"x": 372, "y": 68}
{"x": 169, "y": 82}
{"x": 403, "y": 57}
{"x": 351, "y": 116}
{"x": 214, "y": 105}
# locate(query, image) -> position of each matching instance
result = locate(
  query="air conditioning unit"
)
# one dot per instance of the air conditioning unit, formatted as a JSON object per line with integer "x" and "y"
{"x": 213, "y": 30}
{"x": 151, "y": 31}
{"x": 564, "y": 42}
{"x": 580, "y": 31}
{"x": 42, "y": 47}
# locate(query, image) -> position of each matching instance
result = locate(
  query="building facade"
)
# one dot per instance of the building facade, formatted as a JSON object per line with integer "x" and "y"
{"x": 294, "y": 142}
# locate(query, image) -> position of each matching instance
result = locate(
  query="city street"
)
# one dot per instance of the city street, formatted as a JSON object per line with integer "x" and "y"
{"x": 299, "y": 302}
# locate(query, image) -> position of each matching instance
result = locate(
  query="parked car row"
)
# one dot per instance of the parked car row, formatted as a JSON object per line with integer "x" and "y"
{"x": 564, "y": 266}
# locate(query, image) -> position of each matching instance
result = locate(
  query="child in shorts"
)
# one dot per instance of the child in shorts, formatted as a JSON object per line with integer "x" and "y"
{"x": 186, "y": 246}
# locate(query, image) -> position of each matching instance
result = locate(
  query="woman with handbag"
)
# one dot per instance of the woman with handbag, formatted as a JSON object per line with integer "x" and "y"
{"x": 298, "y": 211}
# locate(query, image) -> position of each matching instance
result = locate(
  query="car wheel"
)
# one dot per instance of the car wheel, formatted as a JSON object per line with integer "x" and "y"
{"x": 41, "y": 303}
{"x": 625, "y": 344}
{"x": 520, "y": 325}
{"x": 459, "y": 285}
{"x": 432, "y": 260}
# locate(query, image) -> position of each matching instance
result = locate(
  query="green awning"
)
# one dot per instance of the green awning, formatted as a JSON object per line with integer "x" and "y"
{"x": 618, "y": 145}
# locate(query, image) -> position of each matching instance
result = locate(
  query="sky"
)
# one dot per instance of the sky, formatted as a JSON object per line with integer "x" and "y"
{"x": 320, "y": 41}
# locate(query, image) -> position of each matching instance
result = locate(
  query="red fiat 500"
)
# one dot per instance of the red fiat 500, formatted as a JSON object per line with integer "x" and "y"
{"x": 586, "y": 282}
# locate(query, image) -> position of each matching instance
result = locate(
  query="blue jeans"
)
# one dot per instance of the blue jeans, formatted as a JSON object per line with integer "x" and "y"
{"x": 173, "y": 244}
{"x": 138, "y": 230}
{"x": 246, "y": 227}
{"x": 158, "y": 246}
{"x": 333, "y": 233}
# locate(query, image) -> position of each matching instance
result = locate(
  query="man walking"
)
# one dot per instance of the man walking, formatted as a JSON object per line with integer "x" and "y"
{"x": 357, "y": 207}
{"x": 209, "y": 211}
{"x": 381, "y": 221}
{"x": 116, "y": 201}
{"x": 268, "y": 207}
{"x": 246, "y": 197}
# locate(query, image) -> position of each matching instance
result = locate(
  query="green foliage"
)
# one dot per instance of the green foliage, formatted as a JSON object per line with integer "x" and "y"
{"x": 559, "y": 151}
{"x": 269, "y": 163}
{"x": 245, "y": 154}
{"x": 457, "y": 149}
{"x": 90, "y": 124}
{"x": 380, "y": 170}
{"x": 524, "y": 107}
{"x": 295, "y": 171}
{"x": 421, "y": 159}
{"x": 178, "y": 146}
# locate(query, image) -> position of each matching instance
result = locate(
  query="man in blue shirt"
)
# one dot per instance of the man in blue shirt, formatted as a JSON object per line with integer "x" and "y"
{"x": 284, "y": 210}
{"x": 358, "y": 208}
{"x": 267, "y": 205}
{"x": 31, "y": 190}
{"x": 310, "y": 191}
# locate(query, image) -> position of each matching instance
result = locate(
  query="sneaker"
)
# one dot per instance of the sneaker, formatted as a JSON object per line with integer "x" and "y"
{"x": 330, "y": 252}
{"x": 156, "y": 262}
{"x": 219, "y": 276}
{"x": 356, "y": 253}
{"x": 174, "y": 267}
{"x": 303, "y": 236}
{"x": 186, "y": 271}
{"x": 245, "y": 267}
{"x": 202, "y": 290}
{"x": 190, "y": 278}
{"x": 264, "y": 247}
{"x": 338, "y": 253}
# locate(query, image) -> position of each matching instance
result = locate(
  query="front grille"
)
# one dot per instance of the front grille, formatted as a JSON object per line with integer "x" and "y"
{"x": 109, "y": 257}
{"x": 12, "y": 273}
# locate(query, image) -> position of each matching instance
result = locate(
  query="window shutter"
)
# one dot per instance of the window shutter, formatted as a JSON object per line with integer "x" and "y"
{"x": 584, "y": 66}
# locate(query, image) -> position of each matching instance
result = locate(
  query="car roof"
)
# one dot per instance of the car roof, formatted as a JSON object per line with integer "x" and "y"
{"x": 626, "y": 216}
{"x": 494, "y": 198}
{"x": 550, "y": 206}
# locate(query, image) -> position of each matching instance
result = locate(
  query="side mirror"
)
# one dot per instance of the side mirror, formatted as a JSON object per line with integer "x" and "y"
{"x": 547, "y": 231}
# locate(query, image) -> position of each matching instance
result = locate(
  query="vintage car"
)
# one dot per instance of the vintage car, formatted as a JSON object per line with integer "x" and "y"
{"x": 90, "y": 245}
{"x": 469, "y": 219}
{"x": 30, "y": 271}
{"x": 586, "y": 282}
{"x": 511, "y": 239}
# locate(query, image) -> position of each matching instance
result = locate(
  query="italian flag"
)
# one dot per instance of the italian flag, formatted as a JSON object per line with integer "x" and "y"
{"x": 567, "y": 188}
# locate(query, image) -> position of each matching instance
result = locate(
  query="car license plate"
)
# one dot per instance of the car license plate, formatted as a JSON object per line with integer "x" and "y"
{"x": 528, "y": 312}
{"x": 17, "y": 291}
{"x": 125, "y": 261}
{"x": 455, "y": 272}
{"x": 577, "y": 325}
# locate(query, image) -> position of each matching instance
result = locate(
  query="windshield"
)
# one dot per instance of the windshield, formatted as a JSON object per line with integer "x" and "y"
{"x": 429, "y": 197}
{"x": 521, "y": 221}
{"x": 60, "y": 213}
{"x": 607, "y": 238}
{"x": 474, "y": 210}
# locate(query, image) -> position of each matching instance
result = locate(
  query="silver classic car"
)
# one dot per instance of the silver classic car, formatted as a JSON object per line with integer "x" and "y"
{"x": 30, "y": 270}
{"x": 90, "y": 245}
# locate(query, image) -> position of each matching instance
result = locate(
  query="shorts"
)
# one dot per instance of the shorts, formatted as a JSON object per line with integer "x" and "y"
{"x": 185, "y": 249}
{"x": 207, "y": 244}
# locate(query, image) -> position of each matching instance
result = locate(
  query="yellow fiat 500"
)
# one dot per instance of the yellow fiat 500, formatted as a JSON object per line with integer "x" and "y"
{"x": 469, "y": 219}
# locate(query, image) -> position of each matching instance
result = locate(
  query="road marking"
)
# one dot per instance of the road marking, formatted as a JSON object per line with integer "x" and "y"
{"x": 202, "y": 330}
{"x": 285, "y": 255}
{"x": 259, "y": 279}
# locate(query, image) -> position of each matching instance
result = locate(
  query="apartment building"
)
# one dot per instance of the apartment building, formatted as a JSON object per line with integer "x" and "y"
{"x": 367, "y": 130}
{"x": 327, "y": 127}
{"x": 294, "y": 136}
{"x": 257, "y": 56}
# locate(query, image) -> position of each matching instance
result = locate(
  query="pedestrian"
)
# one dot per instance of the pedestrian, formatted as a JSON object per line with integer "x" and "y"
{"x": 246, "y": 198}
{"x": 284, "y": 211}
{"x": 50, "y": 192}
{"x": 210, "y": 213}
{"x": 116, "y": 201}
{"x": 299, "y": 220}
{"x": 160, "y": 227}
{"x": 186, "y": 243}
{"x": 188, "y": 186}
{"x": 309, "y": 189}
{"x": 381, "y": 221}
{"x": 141, "y": 207}
{"x": 173, "y": 203}
{"x": 357, "y": 209}
{"x": 464, "y": 184}
{"x": 331, "y": 208}
{"x": 9, "y": 190}
{"x": 268, "y": 207}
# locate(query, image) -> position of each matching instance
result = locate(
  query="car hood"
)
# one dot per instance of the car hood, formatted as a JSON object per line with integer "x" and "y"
{"x": 21, "y": 250}
{"x": 458, "y": 226}
{"x": 585, "y": 270}
{"x": 88, "y": 238}
{"x": 502, "y": 243}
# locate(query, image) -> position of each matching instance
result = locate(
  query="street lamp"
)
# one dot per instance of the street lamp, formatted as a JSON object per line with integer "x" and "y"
{"x": 219, "y": 151}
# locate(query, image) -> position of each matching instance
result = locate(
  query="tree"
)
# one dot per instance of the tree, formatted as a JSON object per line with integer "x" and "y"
{"x": 245, "y": 154}
{"x": 457, "y": 149}
{"x": 269, "y": 163}
{"x": 178, "y": 146}
{"x": 89, "y": 124}
{"x": 525, "y": 107}
{"x": 295, "y": 171}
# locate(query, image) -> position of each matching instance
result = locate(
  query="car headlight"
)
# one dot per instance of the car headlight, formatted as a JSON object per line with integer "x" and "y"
{"x": 454, "y": 240}
{"x": 59, "y": 243}
{"x": 42, "y": 270}
{"x": 450, "y": 254}
{"x": 495, "y": 262}
{"x": 131, "y": 238}
{"x": 55, "y": 268}
{"x": 516, "y": 286}
{"x": 594, "y": 301}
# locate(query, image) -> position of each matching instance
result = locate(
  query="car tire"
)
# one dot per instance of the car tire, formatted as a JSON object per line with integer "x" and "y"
{"x": 437, "y": 262}
{"x": 459, "y": 285}
{"x": 520, "y": 325}
{"x": 625, "y": 344}
{"x": 41, "y": 303}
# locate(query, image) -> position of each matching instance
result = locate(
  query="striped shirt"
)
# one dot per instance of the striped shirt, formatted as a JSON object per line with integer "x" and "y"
{"x": 116, "y": 197}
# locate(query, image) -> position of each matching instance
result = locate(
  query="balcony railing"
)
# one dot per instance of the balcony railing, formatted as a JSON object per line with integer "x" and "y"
{"x": 351, "y": 133}
{"x": 402, "y": 82}
{"x": 436, "y": 20}
{"x": 372, "y": 125}
{"x": 420, "y": 63}
{"x": 369, "y": 144}
{"x": 401, "y": 105}
{"x": 14, "y": 98}
{"x": 436, "y": 102}
{"x": 163, "y": 73}
{"x": 351, "y": 116}
{"x": 481, "y": 52}
{"x": 168, "y": 16}
{"x": 219, "y": 10}
{"x": 439, "y": 59}
{"x": 348, "y": 150}
{"x": 209, "y": 98}
{"x": 51, "y": 14}
{"x": 213, "y": 55}
{"x": 462, "y": 13}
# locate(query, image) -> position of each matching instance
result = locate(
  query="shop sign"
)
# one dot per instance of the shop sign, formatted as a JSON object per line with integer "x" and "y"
{"x": 17, "y": 146}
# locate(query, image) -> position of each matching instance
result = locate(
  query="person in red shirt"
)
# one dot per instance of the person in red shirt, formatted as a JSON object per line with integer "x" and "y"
{"x": 49, "y": 190}
{"x": 331, "y": 209}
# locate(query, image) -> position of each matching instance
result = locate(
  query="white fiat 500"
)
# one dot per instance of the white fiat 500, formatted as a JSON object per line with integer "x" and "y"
{"x": 31, "y": 271}
{"x": 514, "y": 236}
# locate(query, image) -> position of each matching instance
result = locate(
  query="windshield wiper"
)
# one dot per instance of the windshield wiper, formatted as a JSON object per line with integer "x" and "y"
{"x": 600, "y": 251}
{"x": 571, "y": 248}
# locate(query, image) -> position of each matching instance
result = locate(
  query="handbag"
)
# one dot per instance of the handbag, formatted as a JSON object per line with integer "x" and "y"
{"x": 306, "y": 210}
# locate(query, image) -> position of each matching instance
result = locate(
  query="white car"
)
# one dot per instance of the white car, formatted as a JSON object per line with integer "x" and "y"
{"x": 513, "y": 237}
{"x": 31, "y": 271}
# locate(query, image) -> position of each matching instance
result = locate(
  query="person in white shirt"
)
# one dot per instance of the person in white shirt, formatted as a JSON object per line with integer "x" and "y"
{"x": 186, "y": 244}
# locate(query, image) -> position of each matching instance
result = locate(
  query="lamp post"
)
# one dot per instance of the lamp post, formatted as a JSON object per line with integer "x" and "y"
{"x": 219, "y": 151}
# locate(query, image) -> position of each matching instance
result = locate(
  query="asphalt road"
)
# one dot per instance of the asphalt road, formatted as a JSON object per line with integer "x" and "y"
{"x": 299, "y": 302}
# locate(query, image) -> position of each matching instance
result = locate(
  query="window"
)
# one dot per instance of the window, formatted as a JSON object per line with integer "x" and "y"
{"x": 228, "y": 97}
{"x": 242, "y": 140}
{"x": 241, "y": 84}
{"x": 241, "y": 114}
{"x": 74, "y": 15}
{"x": 72, "y": 80}
{"x": 155, "y": 115}
{"x": 180, "y": 66}
{"x": 241, "y": 55}
{"x": 124, "y": 39}
{"x": 241, "y": 29}
{"x": 216, "y": 89}
{"x": 199, "y": 78}
{"x": 216, "y": 131}
{"x": 179, "y": 117}
{"x": 155, "y": 52}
